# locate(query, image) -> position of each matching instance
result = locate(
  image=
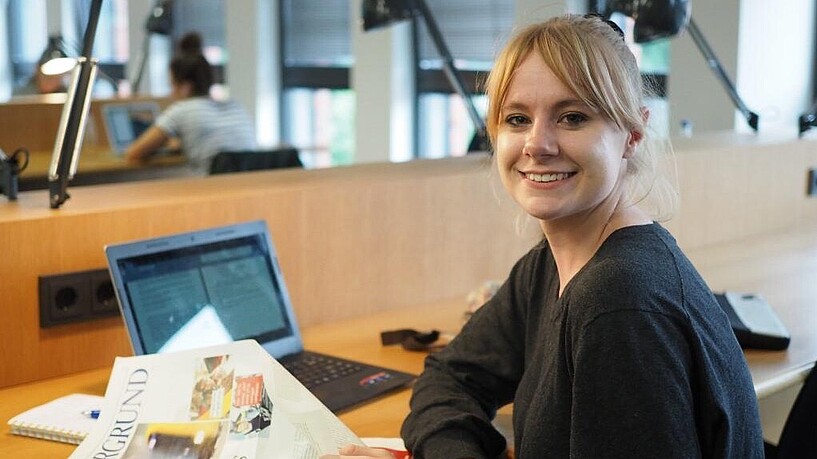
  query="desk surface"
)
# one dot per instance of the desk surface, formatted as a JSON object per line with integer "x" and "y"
{"x": 355, "y": 339}
{"x": 100, "y": 165}
{"x": 782, "y": 268}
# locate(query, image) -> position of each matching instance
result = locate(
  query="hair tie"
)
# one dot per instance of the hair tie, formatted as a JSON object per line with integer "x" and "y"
{"x": 610, "y": 23}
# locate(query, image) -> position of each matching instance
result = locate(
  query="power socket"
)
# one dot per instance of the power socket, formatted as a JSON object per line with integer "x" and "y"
{"x": 103, "y": 297}
{"x": 811, "y": 185}
{"x": 76, "y": 296}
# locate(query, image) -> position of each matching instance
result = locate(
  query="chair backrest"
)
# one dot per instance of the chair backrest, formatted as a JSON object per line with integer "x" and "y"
{"x": 799, "y": 437}
{"x": 253, "y": 160}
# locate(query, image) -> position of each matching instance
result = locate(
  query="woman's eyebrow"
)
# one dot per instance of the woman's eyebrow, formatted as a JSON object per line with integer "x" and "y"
{"x": 570, "y": 103}
{"x": 514, "y": 105}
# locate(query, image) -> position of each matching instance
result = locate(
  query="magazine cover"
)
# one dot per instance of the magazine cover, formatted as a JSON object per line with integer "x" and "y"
{"x": 227, "y": 401}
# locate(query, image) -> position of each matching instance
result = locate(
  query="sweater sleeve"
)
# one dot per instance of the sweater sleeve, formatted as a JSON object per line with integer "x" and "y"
{"x": 462, "y": 386}
{"x": 632, "y": 395}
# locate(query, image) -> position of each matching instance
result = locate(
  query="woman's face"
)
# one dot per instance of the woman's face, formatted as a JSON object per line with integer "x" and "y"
{"x": 558, "y": 157}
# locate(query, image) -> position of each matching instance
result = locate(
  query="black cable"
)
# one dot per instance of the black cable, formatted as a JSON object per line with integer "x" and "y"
{"x": 10, "y": 171}
{"x": 17, "y": 152}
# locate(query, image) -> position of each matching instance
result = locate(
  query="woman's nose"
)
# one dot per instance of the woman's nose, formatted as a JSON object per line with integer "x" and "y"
{"x": 540, "y": 141}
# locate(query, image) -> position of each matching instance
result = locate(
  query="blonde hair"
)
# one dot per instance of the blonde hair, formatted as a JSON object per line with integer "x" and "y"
{"x": 591, "y": 58}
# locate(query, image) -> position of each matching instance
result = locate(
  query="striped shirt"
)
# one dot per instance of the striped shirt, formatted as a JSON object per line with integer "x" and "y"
{"x": 206, "y": 127}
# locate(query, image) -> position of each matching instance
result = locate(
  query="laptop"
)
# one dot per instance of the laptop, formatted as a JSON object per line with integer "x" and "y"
{"x": 124, "y": 122}
{"x": 224, "y": 284}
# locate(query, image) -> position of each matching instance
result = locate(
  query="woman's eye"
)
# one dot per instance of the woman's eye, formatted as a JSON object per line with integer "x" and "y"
{"x": 516, "y": 120}
{"x": 574, "y": 119}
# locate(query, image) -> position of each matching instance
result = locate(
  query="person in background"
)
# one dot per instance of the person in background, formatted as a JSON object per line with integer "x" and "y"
{"x": 201, "y": 125}
{"x": 604, "y": 337}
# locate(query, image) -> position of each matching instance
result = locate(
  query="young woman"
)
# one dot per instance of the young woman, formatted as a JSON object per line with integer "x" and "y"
{"x": 201, "y": 125}
{"x": 604, "y": 336}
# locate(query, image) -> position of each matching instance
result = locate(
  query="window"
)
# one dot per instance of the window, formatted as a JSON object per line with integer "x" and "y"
{"x": 28, "y": 31}
{"x": 110, "y": 41}
{"x": 473, "y": 31}
{"x": 27, "y": 37}
{"x": 207, "y": 18}
{"x": 318, "y": 105}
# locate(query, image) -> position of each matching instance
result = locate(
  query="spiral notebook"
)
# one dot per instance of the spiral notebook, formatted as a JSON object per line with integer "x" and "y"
{"x": 63, "y": 419}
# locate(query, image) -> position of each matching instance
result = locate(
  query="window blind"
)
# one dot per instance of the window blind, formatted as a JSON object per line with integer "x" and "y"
{"x": 316, "y": 33}
{"x": 474, "y": 30}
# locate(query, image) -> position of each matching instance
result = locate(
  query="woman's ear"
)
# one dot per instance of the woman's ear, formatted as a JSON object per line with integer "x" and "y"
{"x": 633, "y": 139}
{"x": 636, "y": 135}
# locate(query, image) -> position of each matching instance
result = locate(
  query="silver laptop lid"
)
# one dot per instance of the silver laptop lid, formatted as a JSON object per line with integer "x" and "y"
{"x": 124, "y": 122}
{"x": 204, "y": 287}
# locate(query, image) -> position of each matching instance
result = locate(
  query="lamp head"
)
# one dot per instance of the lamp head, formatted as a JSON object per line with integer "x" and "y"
{"x": 54, "y": 60}
{"x": 160, "y": 20}
{"x": 381, "y": 13}
{"x": 654, "y": 19}
{"x": 58, "y": 66}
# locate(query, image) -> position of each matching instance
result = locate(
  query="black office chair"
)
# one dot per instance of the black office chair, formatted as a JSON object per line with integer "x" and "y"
{"x": 799, "y": 437}
{"x": 253, "y": 160}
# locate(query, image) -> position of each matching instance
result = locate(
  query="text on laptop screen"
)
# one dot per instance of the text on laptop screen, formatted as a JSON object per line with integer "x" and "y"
{"x": 205, "y": 294}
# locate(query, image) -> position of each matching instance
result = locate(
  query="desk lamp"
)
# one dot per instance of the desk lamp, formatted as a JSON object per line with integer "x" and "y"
{"x": 656, "y": 19}
{"x": 74, "y": 113}
{"x": 381, "y": 13}
{"x": 160, "y": 21}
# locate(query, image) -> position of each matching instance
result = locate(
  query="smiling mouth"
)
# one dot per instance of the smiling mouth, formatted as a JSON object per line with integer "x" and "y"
{"x": 547, "y": 178}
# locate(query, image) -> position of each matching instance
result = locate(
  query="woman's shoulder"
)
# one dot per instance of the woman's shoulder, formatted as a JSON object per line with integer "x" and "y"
{"x": 191, "y": 108}
{"x": 639, "y": 250}
{"x": 191, "y": 102}
{"x": 634, "y": 267}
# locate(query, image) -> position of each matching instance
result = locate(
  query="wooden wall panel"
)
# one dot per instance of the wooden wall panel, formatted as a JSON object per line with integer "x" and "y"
{"x": 32, "y": 122}
{"x": 739, "y": 186}
{"x": 351, "y": 241}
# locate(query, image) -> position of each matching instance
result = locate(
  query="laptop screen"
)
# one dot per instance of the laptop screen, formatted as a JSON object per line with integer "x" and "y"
{"x": 202, "y": 288}
{"x": 124, "y": 122}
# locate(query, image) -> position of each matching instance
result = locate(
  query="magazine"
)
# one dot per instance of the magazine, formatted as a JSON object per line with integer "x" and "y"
{"x": 227, "y": 401}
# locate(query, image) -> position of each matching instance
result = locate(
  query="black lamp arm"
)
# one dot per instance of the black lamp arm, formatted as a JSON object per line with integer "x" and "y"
{"x": 69, "y": 139}
{"x": 142, "y": 61}
{"x": 716, "y": 67}
{"x": 448, "y": 65}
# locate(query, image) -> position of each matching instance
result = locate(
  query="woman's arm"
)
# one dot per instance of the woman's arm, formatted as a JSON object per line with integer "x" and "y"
{"x": 633, "y": 388}
{"x": 456, "y": 397}
{"x": 146, "y": 144}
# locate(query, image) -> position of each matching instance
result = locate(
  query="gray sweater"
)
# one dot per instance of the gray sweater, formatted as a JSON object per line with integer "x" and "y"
{"x": 634, "y": 360}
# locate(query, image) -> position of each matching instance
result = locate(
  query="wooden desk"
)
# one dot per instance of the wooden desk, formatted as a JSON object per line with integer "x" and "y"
{"x": 355, "y": 339}
{"x": 33, "y": 121}
{"x": 99, "y": 165}
{"x": 782, "y": 268}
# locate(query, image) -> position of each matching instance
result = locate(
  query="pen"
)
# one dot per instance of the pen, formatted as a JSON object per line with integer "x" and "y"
{"x": 93, "y": 414}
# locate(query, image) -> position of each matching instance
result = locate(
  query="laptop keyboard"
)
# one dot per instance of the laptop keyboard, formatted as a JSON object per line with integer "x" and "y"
{"x": 313, "y": 370}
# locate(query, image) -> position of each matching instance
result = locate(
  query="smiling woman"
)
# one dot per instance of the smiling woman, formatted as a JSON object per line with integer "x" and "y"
{"x": 604, "y": 329}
